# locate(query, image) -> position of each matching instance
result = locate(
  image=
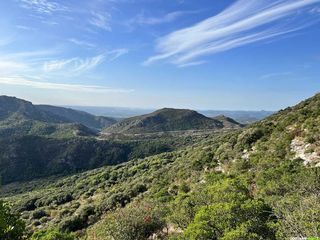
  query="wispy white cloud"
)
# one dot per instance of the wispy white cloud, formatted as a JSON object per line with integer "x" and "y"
{"x": 116, "y": 53}
{"x": 81, "y": 42}
{"x": 76, "y": 65}
{"x": 43, "y": 6}
{"x": 51, "y": 23}
{"x": 101, "y": 20}
{"x": 23, "y": 62}
{"x": 190, "y": 64}
{"x": 141, "y": 19}
{"x": 45, "y": 65}
{"x": 276, "y": 75}
{"x": 244, "y": 22}
{"x": 58, "y": 64}
{"x": 20, "y": 81}
{"x": 25, "y": 28}
{"x": 30, "y": 54}
{"x": 11, "y": 66}
{"x": 80, "y": 65}
{"x": 39, "y": 69}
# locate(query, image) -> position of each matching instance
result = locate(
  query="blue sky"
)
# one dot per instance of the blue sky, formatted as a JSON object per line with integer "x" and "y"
{"x": 205, "y": 54}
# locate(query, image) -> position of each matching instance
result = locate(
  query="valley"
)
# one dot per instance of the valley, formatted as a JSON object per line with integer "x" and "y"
{"x": 182, "y": 179}
{"x": 40, "y": 141}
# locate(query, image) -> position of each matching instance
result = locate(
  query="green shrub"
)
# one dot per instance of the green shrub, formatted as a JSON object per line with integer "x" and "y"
{"x": 52, "y": 235}
{"x": 39, "y": 214}
{"x": 11, "y": 227}
{"x": 226, "y": 210}
{"x": 138, "y": 221}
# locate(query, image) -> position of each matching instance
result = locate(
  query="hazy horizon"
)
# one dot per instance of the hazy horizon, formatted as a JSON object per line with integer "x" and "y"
{"x": 152, "y": 108}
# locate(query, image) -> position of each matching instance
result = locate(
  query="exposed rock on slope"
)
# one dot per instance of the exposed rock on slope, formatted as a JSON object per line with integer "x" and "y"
{"x": 305, "y": 152}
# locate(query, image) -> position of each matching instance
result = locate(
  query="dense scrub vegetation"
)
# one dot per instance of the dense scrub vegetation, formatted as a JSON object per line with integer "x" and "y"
{"x": 246, "y": 184}
{"x": 17, "y": 128}
{"x": 29, "y": 157}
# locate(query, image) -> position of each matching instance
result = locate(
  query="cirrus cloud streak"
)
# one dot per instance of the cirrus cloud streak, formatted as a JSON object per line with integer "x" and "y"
{"x": 20, "y": 81}
{"x": 43, "y": 6}
{"x": 244, "y": 22}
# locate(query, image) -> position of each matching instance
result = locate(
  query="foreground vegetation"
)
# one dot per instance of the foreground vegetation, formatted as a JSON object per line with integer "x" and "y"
{"x": 245, "y": 184}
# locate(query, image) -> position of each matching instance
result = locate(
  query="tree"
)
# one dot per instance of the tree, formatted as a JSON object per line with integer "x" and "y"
{"x": 11, "y": 227}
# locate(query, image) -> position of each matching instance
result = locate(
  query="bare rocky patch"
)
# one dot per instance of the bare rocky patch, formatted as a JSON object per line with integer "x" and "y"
{"x": 306, "y": 152}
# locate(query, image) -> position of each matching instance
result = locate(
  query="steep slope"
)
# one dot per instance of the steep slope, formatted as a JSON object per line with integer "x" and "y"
{"x": 254, "y": 176}
{"x": 166, "y": 119}
{"x": 19, "y": 117}
{"x": 15, "y": 109}
{"x": 75, "y": 116}
{"x": 30, "y": 157}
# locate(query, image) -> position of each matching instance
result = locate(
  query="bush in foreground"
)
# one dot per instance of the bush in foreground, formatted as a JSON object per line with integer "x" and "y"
{"x": 11, "y": 227}
{"x": 52, "y": 235}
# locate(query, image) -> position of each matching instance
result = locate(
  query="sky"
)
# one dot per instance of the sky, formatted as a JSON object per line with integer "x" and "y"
{"x": 204, "y": 54}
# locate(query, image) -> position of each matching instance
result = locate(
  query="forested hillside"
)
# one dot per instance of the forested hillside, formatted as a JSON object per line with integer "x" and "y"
{"x": 260, "y": 182}
{"x": 29, "y": 157}
{"x": 19, "y": 118}
{"x": 169, "y": 119}
{"x": 95, "y": 122}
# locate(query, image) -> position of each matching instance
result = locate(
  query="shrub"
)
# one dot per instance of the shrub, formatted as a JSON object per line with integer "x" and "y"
{"x": 11, "y": 227}
{"x": 39, "y": 214}
{"x": 138, "y": 221}
{"x": 226, "y": 210}
{"x": 52, "y": 235}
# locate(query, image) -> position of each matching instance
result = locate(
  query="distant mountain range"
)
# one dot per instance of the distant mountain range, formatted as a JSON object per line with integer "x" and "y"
{"x": 76, "y": 116}
{"x": 114, "y": 112}
{"x": 244, "y": 117}
{"x": 19, "y": 117}
{"x": 41, "y": 140}
{"x": 169, "y": 119}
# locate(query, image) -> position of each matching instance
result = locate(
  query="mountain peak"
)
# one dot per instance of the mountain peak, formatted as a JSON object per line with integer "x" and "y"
{"x": 165, "y": 119}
